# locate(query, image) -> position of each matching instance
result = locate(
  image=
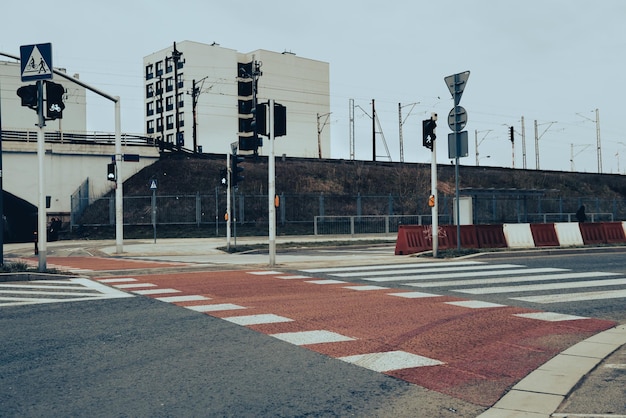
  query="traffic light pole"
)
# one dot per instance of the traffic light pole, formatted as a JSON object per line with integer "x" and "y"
{"x": 271, "y": 189}
{"x": 433, "y": 191}
{"x": 41, "y": 213}
{"x": 228, "y": 181}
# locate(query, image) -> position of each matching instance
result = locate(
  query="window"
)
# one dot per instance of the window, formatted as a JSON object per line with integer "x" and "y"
{"x": 149, "y": 90}
{"x": 181, "y": 119}
{"x": 159, "y": 106}
{"x": 159, "y": 68}
{"x": 180, "y": 81}
{"x": 169, "y": 84}
{"x": 181, "y": 101}
{"x": 159, "y": 125}
{"x": 168, "y": 65}
{"x": 150, "y": 109}
{"x": 150, "y": 127}
{"x": 149, "y": 71}
{"x": 159, "y": 87}
{"x": 169, "y": 103}
{"x": 170, "y": 138}
{"x": 170, "y": 122}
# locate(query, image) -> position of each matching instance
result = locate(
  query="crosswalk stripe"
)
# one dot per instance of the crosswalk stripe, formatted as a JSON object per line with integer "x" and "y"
{"x": 574, "y": 297}
{"x": 519, "y": 279}
{"x": 430, "y": 270}
{"x": 463, "y": 274}
{"x": 543, "y": 286}
{"x": 392, "y": 266}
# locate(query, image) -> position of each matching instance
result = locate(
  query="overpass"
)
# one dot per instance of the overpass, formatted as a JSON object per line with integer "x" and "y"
{"x": 73, "y": 164}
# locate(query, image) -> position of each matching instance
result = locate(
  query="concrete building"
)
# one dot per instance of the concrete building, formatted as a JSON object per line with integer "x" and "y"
{"x": 193, "y": 78}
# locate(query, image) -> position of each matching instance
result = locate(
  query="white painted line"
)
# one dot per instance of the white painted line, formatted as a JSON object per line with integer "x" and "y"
{"x": 134, "y": 285}
{"x": 475, "y": 304}
{"x": 365, "y": 287}
{"x": 518, "y": 279}
{"x": 293, "y": 277}
{"x": 550, "y": 316}
{"x": 393, "y": 266}
{"x": 155, "y": 291}
{"x": 64, "y": 285}
{"x": 184, "y": 298}
{"x": 311, "y": 337}
{"x": 257, "y": 319}
{"x": 118, "y": 280}
{"x": 617, "y": 366}
{"x": 544, "y": 286}
{"x": 470, "y": 274}
{"x": 215, "y": 308}
{"x": 326, "y": 281}
{"x": 472, "y": 267}
{"x": 265, "y": 273}
{"x": 391, "y": 360}
{"x": 414, "y": 295}
{"x": 574, "y": 297}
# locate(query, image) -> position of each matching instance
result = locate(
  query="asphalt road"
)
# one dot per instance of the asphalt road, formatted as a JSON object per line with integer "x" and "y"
{"x": 144, "y": 358}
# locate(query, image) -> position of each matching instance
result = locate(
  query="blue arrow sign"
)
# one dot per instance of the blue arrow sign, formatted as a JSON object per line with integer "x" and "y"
{"x": 36, "y": 62}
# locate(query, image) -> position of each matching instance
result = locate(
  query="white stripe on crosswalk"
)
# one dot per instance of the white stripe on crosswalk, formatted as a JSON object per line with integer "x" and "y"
{"x": 393, "y": 266}
{"x": 574, "y": 297}
{"x": 463, "y": 274}
{"x": 519, "y": 279}
{"x": 430, "y": 270}
{"x": 543, "y": 286}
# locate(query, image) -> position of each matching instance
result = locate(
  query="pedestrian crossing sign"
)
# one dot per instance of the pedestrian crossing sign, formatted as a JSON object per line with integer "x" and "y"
{"x": 36, "y": 62}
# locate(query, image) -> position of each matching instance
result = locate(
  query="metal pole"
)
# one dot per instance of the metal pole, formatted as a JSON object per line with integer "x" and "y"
{"x": 271, "y": 189}
{"x": 457, "y": 136}
{"x": 119, "y": 183}
{"x": 433, "y": 190}
{"x": 228, "y": 169}
{"x": 2, "y": 187}
{"x": 41, "y": 213}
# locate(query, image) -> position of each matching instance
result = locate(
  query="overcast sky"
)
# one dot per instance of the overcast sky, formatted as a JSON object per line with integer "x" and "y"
{"x": 549, "y": 60}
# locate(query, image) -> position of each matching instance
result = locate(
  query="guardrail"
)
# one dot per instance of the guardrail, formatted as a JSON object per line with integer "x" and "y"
{"x": 370, "y": 224}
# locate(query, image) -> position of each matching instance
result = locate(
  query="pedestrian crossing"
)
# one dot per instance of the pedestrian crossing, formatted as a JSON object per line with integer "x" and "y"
{"x": 55, "y": 291}
{"x": 540, "y": 285}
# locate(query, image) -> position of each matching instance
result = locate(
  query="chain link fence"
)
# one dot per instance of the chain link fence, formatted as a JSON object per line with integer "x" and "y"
{"x": 335, "y": 214}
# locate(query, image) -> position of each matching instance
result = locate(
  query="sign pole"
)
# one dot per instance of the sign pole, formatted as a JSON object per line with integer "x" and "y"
{"x": 41, "y": 213}
{"x": 457, "y": 138}
{"x": 433, "y": 191}
{"x": 229, "y": 176}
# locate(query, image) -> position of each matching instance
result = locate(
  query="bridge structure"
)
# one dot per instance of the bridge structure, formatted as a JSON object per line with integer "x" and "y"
{"x": 73, "y": 163}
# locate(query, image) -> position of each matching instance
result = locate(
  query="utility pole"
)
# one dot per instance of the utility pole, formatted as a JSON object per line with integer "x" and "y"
{"x": 401, "y": 124}
{"x": 351, "y": 127}
{"x": 195, "y": 93}
{"x": 523, "y": 144}
{"x": 319, "y": 132}
{"x": 176, "y": 54}
{"x": 373, "y": 131}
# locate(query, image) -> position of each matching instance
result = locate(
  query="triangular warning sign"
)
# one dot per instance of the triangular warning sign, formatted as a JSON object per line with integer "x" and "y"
{"x": 36, "y": 62}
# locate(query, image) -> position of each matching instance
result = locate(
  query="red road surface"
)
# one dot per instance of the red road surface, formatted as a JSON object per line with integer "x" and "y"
{"x": 483, "y": 352}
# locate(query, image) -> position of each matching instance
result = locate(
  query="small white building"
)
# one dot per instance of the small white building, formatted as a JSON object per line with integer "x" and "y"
{"x": 212, "y": 73}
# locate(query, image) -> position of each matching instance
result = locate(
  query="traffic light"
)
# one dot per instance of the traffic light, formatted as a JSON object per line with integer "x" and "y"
{"x": 512, "y": 134}
{"x": 280, "y": 120}
{"x": 428, "y": 133}
{"x": 259, "y": 119}
{"x": 28, "y": 94}
{"x": 111, "y": 172}
{"x": 236, "y": 170}
{"x": 54, "y": 100}
{"x": 224, "y": 177}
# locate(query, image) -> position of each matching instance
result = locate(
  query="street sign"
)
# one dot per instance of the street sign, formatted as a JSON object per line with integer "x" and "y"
{"x": 36, "y": 62}
{"x": 153, "y": 184}
{"x": 463, "y": 149}
{"x": 456, "y": 84}
{"x": 457, "y": 118}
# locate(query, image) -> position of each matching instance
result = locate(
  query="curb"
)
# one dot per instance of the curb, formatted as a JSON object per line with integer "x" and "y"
{"x": 541, "y": 392}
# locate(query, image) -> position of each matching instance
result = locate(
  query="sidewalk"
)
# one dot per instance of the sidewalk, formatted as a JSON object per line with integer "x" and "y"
{"x": 566, "y": 381}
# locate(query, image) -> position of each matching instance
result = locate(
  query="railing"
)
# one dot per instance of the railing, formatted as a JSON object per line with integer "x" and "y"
{"x": 98, "y": 138}
{"x": 383, "y": 224}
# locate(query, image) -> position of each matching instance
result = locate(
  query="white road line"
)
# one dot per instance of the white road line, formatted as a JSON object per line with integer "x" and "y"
{"x": 550, "y": 316}
{"x": 134, "y": 285}
{"x": 544, "y": 286}
{"x": 426, "y": 270}
{"x": 390, "y": 360}
{"x": 147, "y": 292}
{"x": 329, "y": 281}
{"x": 311, "y": 337}
{"x": 215, "y": 308}
{"x": 467, "y": 274}
{"x": 257, "y": 319}
{"x": 365, "y": 287}
{"x": 184, "y": 298}
{"x": 574, "y": 297}
{"x": 475, "y": 304}
{"x": 414, "y": 295}
{"x": 392, "y": 266}
{"x": 518, "y": 279}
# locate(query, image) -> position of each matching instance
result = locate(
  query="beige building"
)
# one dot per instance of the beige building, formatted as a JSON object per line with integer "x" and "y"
{"x": 206, "y": 81}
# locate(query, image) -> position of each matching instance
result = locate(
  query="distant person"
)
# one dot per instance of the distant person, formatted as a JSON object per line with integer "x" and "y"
{"x": 580, "y": 214}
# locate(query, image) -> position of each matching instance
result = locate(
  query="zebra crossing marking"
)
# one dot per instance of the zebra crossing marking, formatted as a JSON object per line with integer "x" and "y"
{"x": 574, "y": 297}
{"x": 519, "y": 279}
{"x": 332, "y": 270}
{"x": 425, "y": 270}
{"x": 544, "y": 286}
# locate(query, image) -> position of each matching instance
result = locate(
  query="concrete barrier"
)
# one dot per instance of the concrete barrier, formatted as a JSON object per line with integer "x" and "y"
{"x": 544, "y": 235}
{"x": 412, "y": 239}
{"x": 568, "y": 234}
{"x": 613, "y": 232}
{"x": 518, "y": 235}
{"x": 490, "y": 236}
{"x": 592, "y": 233}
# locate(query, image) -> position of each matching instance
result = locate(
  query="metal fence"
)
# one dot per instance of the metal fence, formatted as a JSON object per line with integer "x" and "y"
{"x": 336, "y": 214}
